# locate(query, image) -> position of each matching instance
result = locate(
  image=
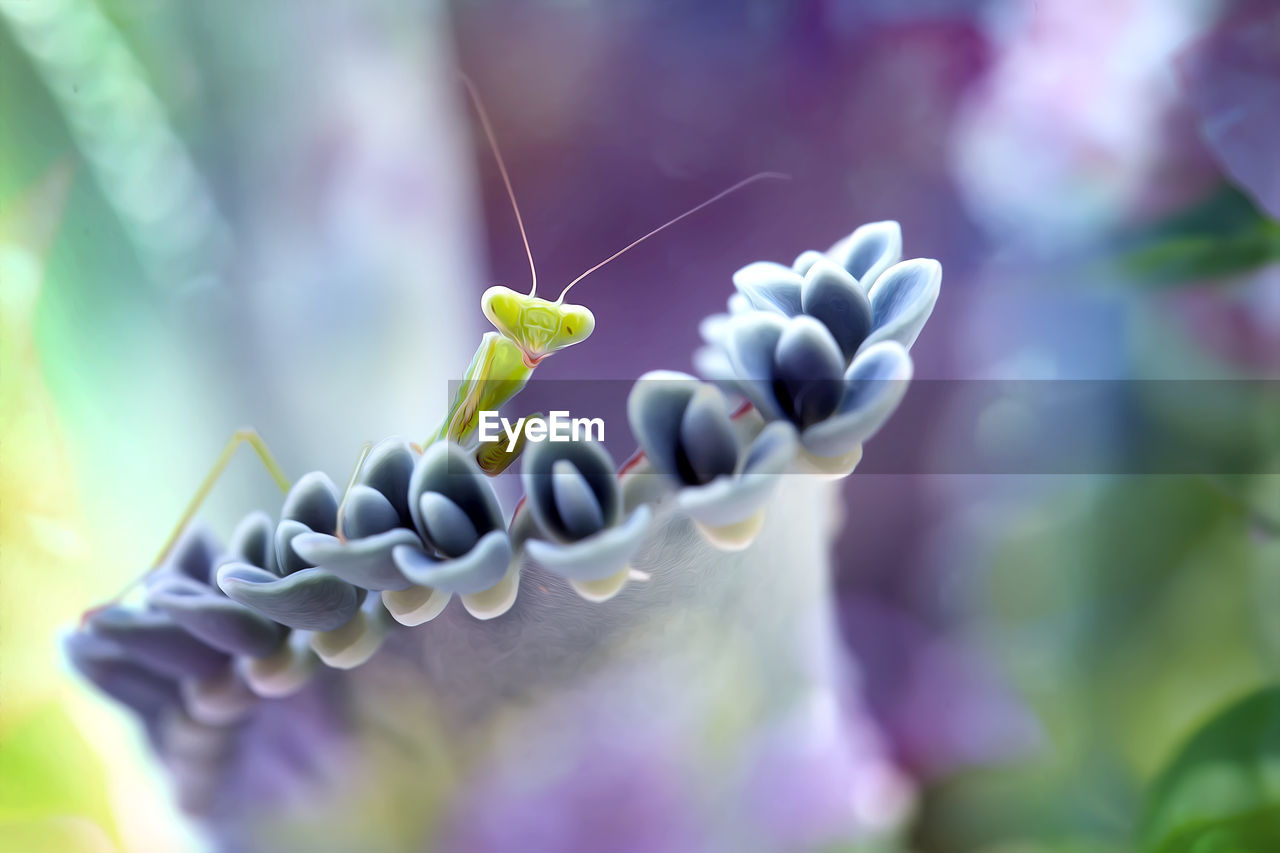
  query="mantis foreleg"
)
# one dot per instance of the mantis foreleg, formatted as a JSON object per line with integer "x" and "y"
{"x": 496, "y": 374}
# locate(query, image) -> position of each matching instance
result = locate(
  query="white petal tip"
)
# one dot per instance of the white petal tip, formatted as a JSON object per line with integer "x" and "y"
{"x": 218, "y": 701}
{"x": 496, "y": 600}
{"x": 733, "y": 537}
{"x": 828, "y": 467}
{"x": 281, "y": 674}
{"x": 352, "y": 644}
{"x": 599, "y": 591}
{"x": 415, "y": 605}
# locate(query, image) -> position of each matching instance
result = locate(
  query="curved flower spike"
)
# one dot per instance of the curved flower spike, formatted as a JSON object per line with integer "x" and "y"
{"x": 293, "y": 591}
{"x": 790, "y": 369}
{"x": 574, "y": 497}
{"x": 685, "y": 431}
{"x": 464, "y": 547}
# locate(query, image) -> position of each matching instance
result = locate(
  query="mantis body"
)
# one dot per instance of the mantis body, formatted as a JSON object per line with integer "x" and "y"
{"x": 529, "y": 328}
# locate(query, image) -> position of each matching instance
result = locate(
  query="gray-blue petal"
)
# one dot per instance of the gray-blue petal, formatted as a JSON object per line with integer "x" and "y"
{"x": 313, "y": 501}
{"x": 772, "y": 450}
{"x": 732, "y": 499}
{"x": 600, "y": 556}
{"x": 210, "y": 616}
{"x": 479, "y": 569}
{"x": 655, "y": 407}
{"x": 805, "y": 261}
{"x": 727, "y": 500}
{"x": 308, "y": 600}
{"x": 111, "y": 670}
{"x": 288, "y": 560}
{"x": 714, "y": 327}
{"x": 594, "y": 464}
{"x": 833, "y": 296}
{"x": 869, "y": 251}
{"x": 195, "y": 554}
{"x": 739, "y": 304}
{"x": 366, "y": 562}
{"x": 874, "y": 386}
{"x": 445, "y": 525}
{"x": 712, "y": 362}
{"x": 451, "y": 471}
{"x": 770, "y": 287}
{"x": 753, "y": 339}
{"x": 253, "y": 542}
{"x": 708, "y": 444}
{"x": 388, "y": 469}
{"x": 576, "y": 505}
{"x": 156, "y": 641}
{"x": 367, "y": 512}
{"x": 808, "y": 367}
{"x": 902, "y": 300}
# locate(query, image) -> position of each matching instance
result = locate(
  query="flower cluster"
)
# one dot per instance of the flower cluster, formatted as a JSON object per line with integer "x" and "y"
{"x": 420, "y": 529}
{"x": 819, "y": 352}
{"x": 722, "y": 475}
{"x": 573, "y": 495}
{"x": 823, "y": 344}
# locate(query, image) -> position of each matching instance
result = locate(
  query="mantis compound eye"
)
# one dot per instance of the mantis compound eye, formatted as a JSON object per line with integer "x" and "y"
{"x": 576, "y": 325}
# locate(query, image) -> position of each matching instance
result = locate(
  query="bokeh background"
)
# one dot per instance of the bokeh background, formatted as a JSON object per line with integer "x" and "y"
{"x": 214, "y": 215}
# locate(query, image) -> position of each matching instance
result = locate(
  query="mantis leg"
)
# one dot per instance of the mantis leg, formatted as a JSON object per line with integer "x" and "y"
{"x": 239, "y": 437}
{"x": 351, "y": 481}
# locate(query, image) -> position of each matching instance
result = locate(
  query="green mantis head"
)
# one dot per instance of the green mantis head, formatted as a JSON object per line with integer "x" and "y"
{"x": 539, "y": 327}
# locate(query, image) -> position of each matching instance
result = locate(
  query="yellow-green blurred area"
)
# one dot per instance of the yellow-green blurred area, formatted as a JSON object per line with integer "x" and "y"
{"x": 97, "y": 406}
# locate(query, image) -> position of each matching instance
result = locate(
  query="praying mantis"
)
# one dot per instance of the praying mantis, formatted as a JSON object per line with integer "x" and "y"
{"x": 528, "y": 329}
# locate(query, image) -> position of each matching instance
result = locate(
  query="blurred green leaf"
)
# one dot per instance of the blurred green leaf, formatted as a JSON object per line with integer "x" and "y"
{"x": 1221, "y": 236}
{"x": 1222, "y": 792}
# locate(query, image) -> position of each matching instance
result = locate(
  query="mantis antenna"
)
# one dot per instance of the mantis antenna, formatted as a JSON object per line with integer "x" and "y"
{"x": 761, "y": 176}
{"x": 506, "y": 179}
